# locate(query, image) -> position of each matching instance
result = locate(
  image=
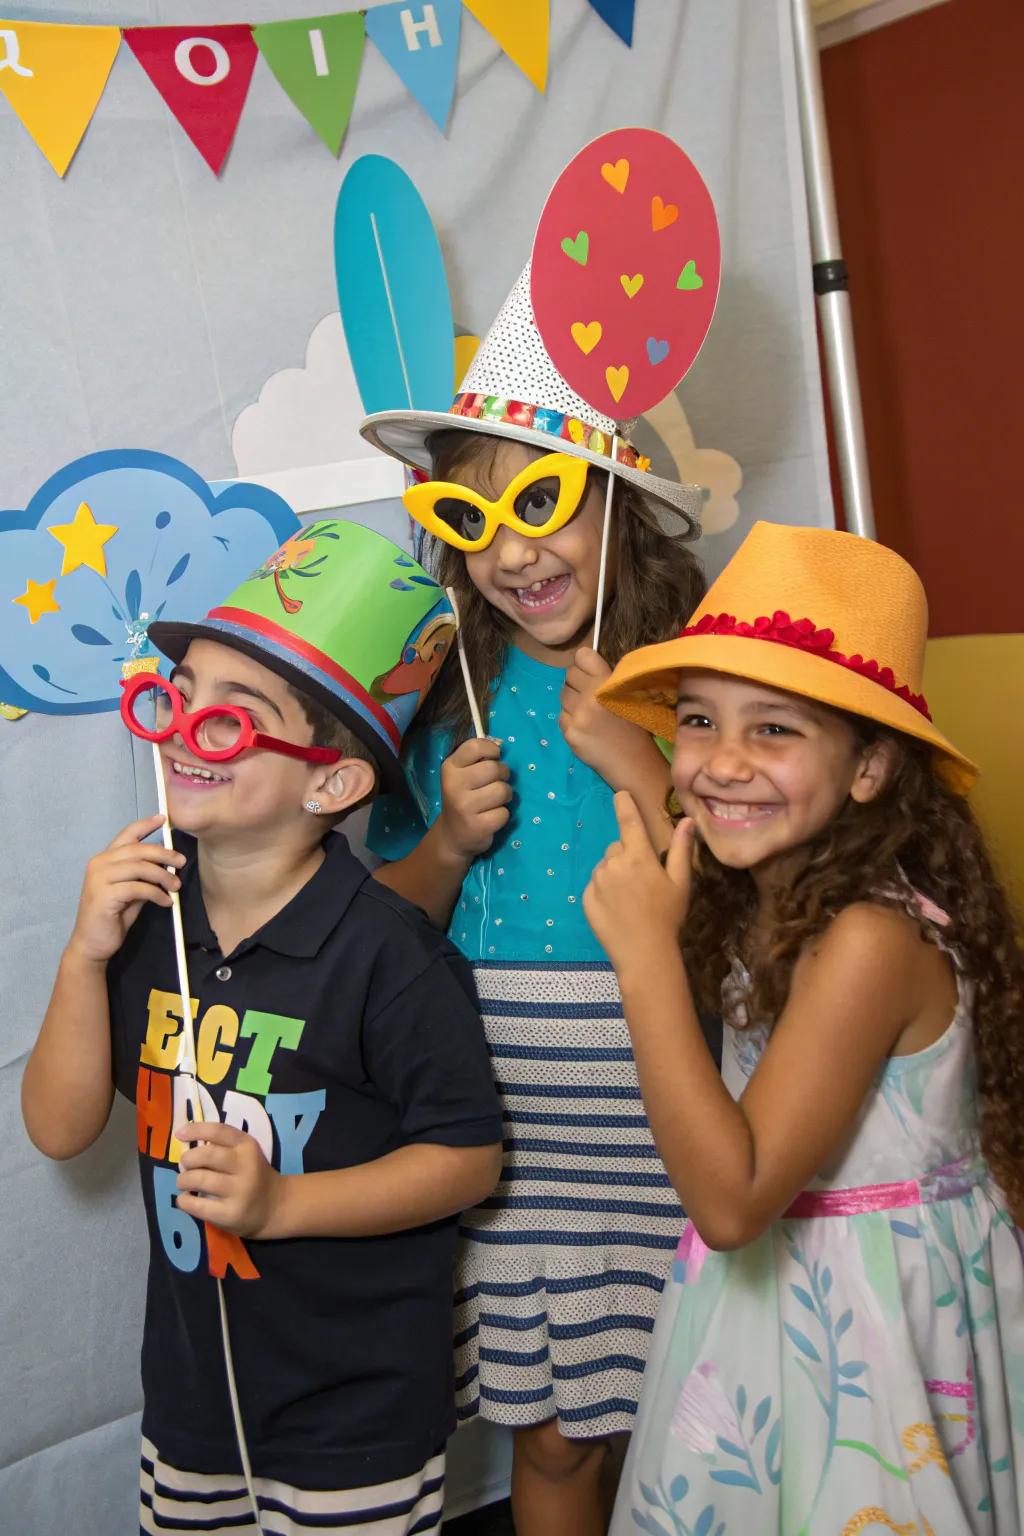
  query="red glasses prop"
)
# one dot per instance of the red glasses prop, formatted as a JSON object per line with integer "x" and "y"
{"x": 215, "y": 734}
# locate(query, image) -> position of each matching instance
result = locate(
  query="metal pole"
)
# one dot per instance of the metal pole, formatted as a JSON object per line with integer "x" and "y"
{"x": 830, "y": 280}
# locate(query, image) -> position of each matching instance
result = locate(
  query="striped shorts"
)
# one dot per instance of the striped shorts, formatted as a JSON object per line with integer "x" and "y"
{"x": 561, "y": 1270}
{"x": 177, "y": 1503}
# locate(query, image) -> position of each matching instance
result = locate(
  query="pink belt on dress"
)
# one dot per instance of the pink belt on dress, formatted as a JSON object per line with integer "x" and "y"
{"x": 946, "y": 1183}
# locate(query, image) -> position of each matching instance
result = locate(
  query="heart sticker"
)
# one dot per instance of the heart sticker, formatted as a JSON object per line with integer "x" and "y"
{"x": 624, "y": 317}
{"x": 617, "y": 379}
{"x": 616, "y": 175}
{"x": 578, "y": 249}
{"x": 586, "y": 337}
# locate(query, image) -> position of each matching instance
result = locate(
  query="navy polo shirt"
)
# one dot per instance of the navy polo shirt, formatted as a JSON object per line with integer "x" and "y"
{"x": 345, "y": 1028}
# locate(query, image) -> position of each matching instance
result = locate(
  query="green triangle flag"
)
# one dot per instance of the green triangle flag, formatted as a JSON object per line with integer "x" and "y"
{"x": 316, "y": 61}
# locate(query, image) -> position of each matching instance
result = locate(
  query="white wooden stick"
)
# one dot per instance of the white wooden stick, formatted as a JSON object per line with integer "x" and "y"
{"x": 598, "y": 611}
{"x": 474, "y": 708}
{"x": 187, "y": 1066}
{"x": 187, "y": 1056}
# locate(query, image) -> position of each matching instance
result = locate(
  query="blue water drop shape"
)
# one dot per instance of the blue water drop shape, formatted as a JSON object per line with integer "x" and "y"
{"x": 162, "y": 519}
{"x": 399, "y": 585}
{"x": 179, "y": 570}
{"x": 87, "y": 636}
{"x": 133, "y": 593}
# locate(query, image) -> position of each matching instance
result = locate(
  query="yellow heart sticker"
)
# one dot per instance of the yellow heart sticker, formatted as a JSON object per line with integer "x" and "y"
{"x": 633, "y": 284}
{"x": 617, "y": 379}
{"x": 586, "y": 337}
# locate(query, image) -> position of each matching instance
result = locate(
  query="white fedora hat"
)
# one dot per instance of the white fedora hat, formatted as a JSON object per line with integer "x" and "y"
{"x": 514, "y": 390}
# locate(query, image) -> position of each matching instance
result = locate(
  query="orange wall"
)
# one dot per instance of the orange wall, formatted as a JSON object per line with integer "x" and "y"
{"x": 927, "y": 132}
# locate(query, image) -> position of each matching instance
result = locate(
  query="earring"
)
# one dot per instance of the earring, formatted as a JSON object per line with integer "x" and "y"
{"x": 313, "y": 806}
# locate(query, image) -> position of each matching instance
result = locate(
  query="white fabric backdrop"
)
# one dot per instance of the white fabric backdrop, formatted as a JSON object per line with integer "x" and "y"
{"x": 145, "y": 303}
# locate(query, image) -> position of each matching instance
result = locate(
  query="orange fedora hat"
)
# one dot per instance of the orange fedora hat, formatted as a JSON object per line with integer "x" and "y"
{"x": 827, "y": 615}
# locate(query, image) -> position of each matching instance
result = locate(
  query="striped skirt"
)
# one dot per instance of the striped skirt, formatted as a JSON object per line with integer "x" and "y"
{"x": 561, "y": 1270}
{"x": 177, "y": 1503}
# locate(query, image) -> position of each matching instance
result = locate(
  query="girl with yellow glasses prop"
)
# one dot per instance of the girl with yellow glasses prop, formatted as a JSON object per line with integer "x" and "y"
{"x": 539, "y": 501}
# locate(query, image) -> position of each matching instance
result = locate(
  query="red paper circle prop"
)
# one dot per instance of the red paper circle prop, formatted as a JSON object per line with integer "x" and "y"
{"x": 625, "y": 272}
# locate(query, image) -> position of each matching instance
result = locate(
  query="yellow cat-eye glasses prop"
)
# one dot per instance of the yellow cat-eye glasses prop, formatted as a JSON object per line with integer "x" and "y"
{"x": 540, "y": 500}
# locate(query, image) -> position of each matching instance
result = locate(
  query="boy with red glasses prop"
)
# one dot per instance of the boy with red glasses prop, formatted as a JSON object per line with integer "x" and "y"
{"x": 310, "y": 1127}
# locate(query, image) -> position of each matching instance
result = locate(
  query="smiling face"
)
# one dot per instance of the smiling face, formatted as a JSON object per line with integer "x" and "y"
{"x": 257, "y": 790}
{"x": 762, "y": 772}
{"x": 546, "y": 586}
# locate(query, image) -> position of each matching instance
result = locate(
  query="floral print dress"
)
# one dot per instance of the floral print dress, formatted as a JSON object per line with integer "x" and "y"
{"x": 855, "y": 1371}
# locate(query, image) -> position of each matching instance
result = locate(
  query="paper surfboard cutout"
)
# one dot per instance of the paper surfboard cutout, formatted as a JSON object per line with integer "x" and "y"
{"x": 392, "y": 290}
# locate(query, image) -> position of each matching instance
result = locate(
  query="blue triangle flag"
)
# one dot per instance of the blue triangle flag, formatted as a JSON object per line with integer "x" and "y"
{"x": 421, "y": 43}
{"x": 619, "y": 16}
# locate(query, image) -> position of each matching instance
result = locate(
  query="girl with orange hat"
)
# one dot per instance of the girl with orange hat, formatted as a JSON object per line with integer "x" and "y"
{"x": 840, "y": 1347}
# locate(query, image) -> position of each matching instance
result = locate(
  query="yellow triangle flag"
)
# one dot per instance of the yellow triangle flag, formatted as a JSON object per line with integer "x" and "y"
{"x": 53, "y": 76}
{"x": 522, "y": 31}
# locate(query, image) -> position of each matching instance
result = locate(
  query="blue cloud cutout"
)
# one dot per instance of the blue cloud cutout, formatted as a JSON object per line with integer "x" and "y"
{"x": 179, "y": 550}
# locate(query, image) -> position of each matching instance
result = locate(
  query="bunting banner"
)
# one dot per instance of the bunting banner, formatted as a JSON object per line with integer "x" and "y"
{"x": 619, "y": 16}
{"x": 53, "y": 76}
{"x": 421, "y": 44}
{"x": 203, "y": 75}
{"x": 316, "y": 62}
{"x": 520, "y": 30}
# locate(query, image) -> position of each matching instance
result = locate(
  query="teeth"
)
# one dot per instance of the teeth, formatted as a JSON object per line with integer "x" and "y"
{"x": 733, "y": 811}
{"x": 188, "y": 772}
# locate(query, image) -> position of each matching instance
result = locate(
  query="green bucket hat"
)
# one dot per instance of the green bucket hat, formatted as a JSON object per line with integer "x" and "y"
{"x": 346, "y": 617}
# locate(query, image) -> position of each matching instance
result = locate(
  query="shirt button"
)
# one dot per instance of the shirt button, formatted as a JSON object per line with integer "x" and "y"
{"x": 223, "y": 973}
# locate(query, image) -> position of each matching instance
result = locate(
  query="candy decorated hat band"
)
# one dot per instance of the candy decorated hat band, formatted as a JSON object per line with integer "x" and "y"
{"x": 826, "y": 615}
{"x": 347, "y": 618}
{"x": 514, "y": 390}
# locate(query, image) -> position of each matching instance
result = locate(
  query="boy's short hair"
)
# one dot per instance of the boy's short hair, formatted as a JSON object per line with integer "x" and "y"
{"x": 329, "y": 731}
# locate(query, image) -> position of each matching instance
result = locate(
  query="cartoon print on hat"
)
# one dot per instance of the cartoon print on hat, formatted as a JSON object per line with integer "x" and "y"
{"x": 403, "y": 687}
{"x": 625, "y": 270}
{"x": 345, "y": 616}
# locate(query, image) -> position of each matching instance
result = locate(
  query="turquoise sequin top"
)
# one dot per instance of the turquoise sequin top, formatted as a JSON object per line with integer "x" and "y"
{"x": 522, "y": 901}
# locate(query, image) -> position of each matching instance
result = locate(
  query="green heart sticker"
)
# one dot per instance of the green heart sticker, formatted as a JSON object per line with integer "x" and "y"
{"x": 689, "y": 278}
{"x": 579, "y": 249}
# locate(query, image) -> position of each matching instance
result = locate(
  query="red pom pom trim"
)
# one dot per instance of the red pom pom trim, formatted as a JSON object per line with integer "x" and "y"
{"x": 803, "y": 635}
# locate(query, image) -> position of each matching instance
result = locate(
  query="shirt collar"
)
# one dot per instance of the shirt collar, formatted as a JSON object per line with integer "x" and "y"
{"x": 302, "y": 927}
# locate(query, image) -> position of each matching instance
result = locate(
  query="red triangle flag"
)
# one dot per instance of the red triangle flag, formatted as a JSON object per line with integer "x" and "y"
{"x": 203, "y": 75}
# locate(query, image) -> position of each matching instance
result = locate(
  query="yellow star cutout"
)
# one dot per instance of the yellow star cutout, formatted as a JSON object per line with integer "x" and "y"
{"x": 38, "y": 599}
{"x": 83, "y": 541}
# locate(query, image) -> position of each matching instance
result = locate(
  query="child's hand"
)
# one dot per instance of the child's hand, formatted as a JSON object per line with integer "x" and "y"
{"x": 474, "y": 797}
{"x": 117, "y": 882}
{"x": 622, "y": 753}
{"x": 226, "y": 1179}
{"x": 635, "y": 906}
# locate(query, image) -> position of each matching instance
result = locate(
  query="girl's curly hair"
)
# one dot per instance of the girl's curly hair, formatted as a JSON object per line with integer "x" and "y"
{"x": 659, "y": 584}
{"x": 916, "y": 834}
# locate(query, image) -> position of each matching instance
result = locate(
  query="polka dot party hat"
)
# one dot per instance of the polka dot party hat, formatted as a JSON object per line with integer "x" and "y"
{"x": 513, "y": 389}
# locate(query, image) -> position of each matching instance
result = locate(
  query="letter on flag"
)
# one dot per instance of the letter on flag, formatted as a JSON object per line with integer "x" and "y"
{"x": 203, "y": 75}
{"x": 53, "y": 76}
{"x": 316, "y": 62}
{"x": 421, "y": 43}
